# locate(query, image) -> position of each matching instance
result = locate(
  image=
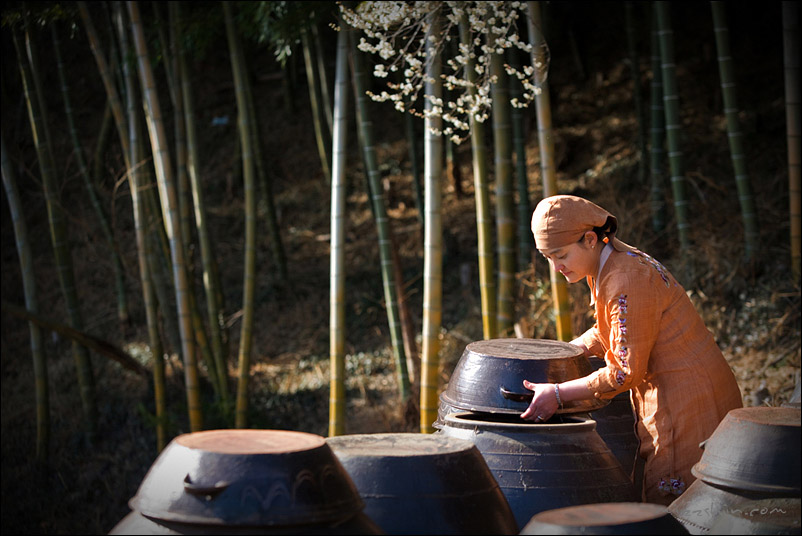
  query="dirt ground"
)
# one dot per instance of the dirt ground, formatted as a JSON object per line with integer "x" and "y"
{"x": 753, "y": 311}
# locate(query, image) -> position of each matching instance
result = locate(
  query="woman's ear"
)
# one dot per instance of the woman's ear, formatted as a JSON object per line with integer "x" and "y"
{"x": 591, "y": 239}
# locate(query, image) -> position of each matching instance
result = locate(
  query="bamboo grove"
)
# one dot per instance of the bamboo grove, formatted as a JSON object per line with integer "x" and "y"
{"x": 448, "y": 66}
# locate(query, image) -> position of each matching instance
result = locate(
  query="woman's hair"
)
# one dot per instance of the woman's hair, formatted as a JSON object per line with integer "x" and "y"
{"x": 605, "y": 231}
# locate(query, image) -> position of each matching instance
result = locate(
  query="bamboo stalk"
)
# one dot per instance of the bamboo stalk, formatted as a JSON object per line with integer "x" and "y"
{"x": 793, "y": 127}
{"x": 734, "y": 132}
{"x": 673, "y": 125}
{"x": 315, "y": 100}
{"x": 484, "y": 222}
{"x": 383, "y": 226}
{"x": 249, "y": 275}
{"x": 135, "y": 184}
{"x": 122, "y": 301}
{"x": 169, "y": 201}
{"x": 211, "y": 279}
{"x": 562, "y": 309}
{"x": 433, "y": 233}
{"x": 34, "y": 97}
{"x": 629, "y": 17}
{"x": 505, "y": 204}
{"x": 524, "y": 208}
{"x": 41, "y": 388}
{"x": 337, "y": 256}
{"x": 108, "y": 80}
{"x": 658, "y": 135}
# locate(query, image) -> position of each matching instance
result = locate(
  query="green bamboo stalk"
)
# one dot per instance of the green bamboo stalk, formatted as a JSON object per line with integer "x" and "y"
{"x": 793, "y": 127}
{"x": 34, "y": 96}
{"x": 145, "y": 256}
{"x": 122, "y": 301}
{"x": 315, "y": 101}
{"x": 101, "y": 143}
{"x": 159, "y": 261}
{"x": 412, "y": 144}
{"x": 522, "y": 180}
{"x": 325, "y": 95}
{"x": 108, "y": 81}
{"x": 559, "y": 290}
{"x": 658, "y": 135}
{"x": 734, "y": 132}
{"x": 634, "y": 63}
{"x": 383, "y": 226}
{"x": 249, "y": 277}
{"x": 433, "y": 232}
{"x": 136, "y": 181}
{"x": 211, "y": 279}
{"x": 41, "y": 389}
{"x": 505, "y": 204}
{"x": 180, "y": 140}
{"x": 169, "y": 201}
{"x": 265, "y": 187}
{"x": 484, "y": 222}
{"x": 184, "y": 192}
{"x": 673, "y": 124}
{"x": 337, "y": 255}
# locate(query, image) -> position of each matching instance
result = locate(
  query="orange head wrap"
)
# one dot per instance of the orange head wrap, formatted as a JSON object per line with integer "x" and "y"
{"x": 561, "y": 220}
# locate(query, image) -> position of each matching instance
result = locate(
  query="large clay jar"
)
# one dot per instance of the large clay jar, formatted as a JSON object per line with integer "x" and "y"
{"x": 424, "y": 484}
{"x": 489, "y": 376}
{"x": 753, "y": 454}
{"x": 247, "y": 482}
{"x": 605, "y": 518}
{"x": 539, "y": 467}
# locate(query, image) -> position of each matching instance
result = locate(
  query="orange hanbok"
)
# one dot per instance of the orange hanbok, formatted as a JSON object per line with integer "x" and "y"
{"x": 655, "y": 344}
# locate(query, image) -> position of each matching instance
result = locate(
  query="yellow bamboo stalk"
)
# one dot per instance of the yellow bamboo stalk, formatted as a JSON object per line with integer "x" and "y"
{"x": 484, "y": 222}
{"x": 559, "y": 291}
{"x": 337, "y": 255}
{"x": 169, "y": 201}
{"x": 433, "y": 234}
{"x": 135, "y": 184}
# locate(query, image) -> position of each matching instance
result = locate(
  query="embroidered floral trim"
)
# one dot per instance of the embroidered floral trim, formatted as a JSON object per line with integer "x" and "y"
{"x": 643, "y": 258}
{"x": 623, "y": 350}
{"x": 674, "y": 486}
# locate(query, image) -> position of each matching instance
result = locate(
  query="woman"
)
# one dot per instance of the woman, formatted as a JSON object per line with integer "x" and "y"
{"x": 653, "y": 341}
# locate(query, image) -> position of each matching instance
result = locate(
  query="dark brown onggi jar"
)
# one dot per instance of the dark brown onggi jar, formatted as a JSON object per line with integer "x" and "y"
{"x": 247, "y": 482}
{"x": 539, "y": 466}
{"x": 424, "y": 484}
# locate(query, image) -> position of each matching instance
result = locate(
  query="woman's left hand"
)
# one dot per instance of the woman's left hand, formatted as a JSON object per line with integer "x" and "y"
{"x": 544, "y": 402}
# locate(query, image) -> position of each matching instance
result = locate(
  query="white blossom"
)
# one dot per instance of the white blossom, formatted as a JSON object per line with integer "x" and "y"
{"x": 395, "y": 32}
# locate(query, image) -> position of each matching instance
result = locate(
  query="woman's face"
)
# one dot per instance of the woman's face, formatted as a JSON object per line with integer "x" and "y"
{"x": 576, "y": 261}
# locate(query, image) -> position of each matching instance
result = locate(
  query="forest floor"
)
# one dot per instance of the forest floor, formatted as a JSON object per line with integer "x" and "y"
{"x": 753, "y": 311}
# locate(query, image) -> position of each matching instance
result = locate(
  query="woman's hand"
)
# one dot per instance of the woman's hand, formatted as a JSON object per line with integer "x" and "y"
{"x": 544, "y": 402}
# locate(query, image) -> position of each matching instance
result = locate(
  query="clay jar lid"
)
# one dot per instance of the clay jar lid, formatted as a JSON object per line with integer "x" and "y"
{"x": 247, "y": 477}
{"x": 489, "y": 376}
{"x": 755, "y": 448}
{"x": 605, "y": 518}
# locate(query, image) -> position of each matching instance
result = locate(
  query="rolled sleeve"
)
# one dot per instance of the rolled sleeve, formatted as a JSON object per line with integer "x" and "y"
{"x": 592, "y": 341}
